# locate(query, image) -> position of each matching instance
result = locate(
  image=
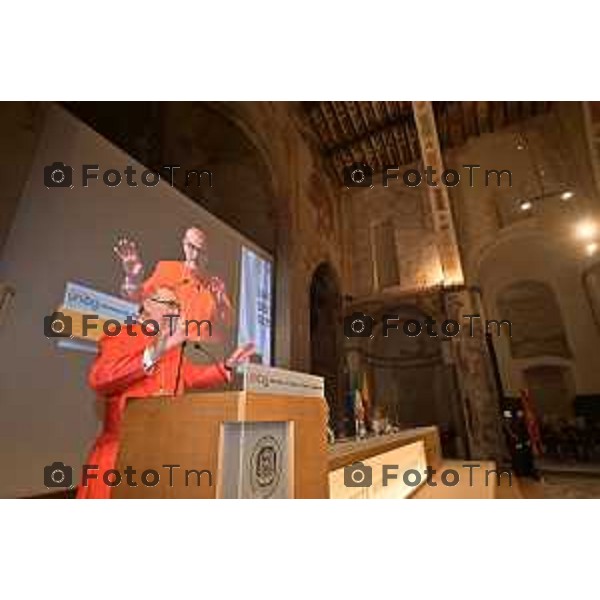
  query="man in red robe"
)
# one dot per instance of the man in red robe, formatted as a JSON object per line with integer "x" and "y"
{"x": 134, "y": 364}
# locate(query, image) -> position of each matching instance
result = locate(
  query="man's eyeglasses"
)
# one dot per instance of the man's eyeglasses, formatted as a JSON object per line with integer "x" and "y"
{"x": 170, "y": 303}
{"x": 194, "y": 247}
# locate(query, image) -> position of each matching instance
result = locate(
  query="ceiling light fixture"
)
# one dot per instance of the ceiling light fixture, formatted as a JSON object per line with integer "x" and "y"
{"x": 525, "y": 205}
{"x": 586, "y": 230}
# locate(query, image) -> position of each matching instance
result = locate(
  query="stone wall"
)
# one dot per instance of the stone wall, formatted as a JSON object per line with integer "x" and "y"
{"x": 504, "y": 246}
{"x": 307, "y": 204}
{"x": 20, "y": 124}
{"x": 501, "y": 245}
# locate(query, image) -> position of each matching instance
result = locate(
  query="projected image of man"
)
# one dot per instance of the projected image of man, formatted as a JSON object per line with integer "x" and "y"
{"x": 202, "y": 296}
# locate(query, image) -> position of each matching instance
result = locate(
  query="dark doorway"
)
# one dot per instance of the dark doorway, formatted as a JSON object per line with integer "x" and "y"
{"x": 325, "y": 333}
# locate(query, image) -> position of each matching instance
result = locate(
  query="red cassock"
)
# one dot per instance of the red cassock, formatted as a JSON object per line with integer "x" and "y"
{"x": 118, "y": 374}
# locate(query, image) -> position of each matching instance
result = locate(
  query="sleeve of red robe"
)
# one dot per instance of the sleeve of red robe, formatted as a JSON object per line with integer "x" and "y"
{"x": 119, "y": 364}
{"x": 200, "y": 376}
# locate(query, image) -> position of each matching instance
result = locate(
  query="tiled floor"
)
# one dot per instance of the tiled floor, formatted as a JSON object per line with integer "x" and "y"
{"x": 561, "y": 485}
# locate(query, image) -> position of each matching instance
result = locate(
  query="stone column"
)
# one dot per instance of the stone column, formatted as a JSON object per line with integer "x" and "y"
{"x": 475, "y": 376}
{"x": 591, "y": 284}
{"x": 591, "y": 115}
{"x": 443, "y": 220}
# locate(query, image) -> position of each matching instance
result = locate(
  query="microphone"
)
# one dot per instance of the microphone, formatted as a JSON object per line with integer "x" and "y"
{"x": 179, "y": 365}
{"x": 197, "y": 346}
{"x": 211, "y": 356}
{"x": 215, "y": 361}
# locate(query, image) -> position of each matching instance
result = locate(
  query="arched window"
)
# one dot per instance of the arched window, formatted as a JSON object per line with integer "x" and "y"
{"x": 387, "y": 271}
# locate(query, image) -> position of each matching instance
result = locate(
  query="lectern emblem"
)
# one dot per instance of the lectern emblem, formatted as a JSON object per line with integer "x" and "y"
{"x": 265, "y": 466}
{"x": 256, "y": 460}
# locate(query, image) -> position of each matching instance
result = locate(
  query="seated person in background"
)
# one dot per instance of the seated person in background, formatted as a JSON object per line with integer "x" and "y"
{"x": 201, "y": 295}
{"x": 137, "y": 365}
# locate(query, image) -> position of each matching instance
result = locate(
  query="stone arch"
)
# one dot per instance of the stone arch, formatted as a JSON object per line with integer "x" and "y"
{"x": 402, "y": 368}
{"x": 524, "y": 253}
{"x": 536, "y": 321}
{"x": 522, "y": 248}
{"x": 248, "y": 124}
{"x": 412, "y": 383}
{"x": 199, "y": 135}
{"x": 251, "y": 119}
{"x": 250, "y": 197}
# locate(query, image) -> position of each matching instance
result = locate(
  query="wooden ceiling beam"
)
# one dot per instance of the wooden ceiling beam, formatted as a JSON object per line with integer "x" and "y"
{"x": 381, "y": 133}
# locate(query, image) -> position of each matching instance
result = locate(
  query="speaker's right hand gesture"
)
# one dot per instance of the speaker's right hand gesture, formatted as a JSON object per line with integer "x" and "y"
{"x": 240, "y": 355}
{"x": 128, "y": 253}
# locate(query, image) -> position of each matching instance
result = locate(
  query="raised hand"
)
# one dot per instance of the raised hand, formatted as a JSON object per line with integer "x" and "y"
{"x": 128, "y": 253}
{"x": 174, "y": 333}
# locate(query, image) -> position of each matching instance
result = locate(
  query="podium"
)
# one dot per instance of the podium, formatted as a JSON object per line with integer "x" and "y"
{"x": 235, "y": 444}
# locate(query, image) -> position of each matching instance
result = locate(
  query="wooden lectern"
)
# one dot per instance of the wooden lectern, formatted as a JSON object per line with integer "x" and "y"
{"x": 189, "y": 431}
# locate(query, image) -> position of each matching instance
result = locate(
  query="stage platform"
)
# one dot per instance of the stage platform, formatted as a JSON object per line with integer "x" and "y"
{"x": 388, "y": 466}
